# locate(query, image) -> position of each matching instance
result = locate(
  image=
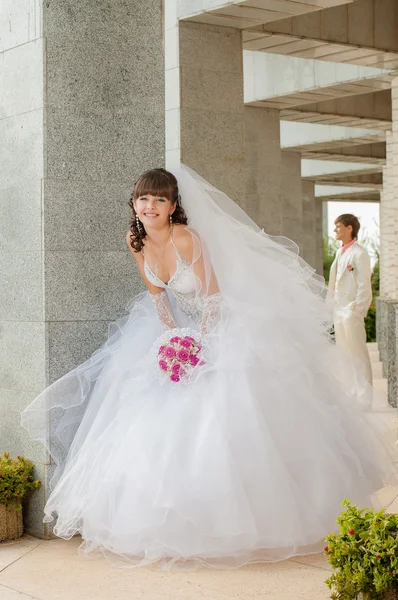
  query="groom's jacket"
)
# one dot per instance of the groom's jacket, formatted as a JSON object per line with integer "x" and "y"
{"x": 350, "y": 282}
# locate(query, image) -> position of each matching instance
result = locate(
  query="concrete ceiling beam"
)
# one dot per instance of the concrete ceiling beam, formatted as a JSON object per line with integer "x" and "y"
{"x": 368, "y": 153}
{"x": 285, "y": 82}
{"x": 308, "y": 137}
{"x": 243, "y": 14}
{"x": 335, "y": 193}
{"x": 363, "y": 33}
{"x": 372, "y": 110}
{"x": 313, "y": 169}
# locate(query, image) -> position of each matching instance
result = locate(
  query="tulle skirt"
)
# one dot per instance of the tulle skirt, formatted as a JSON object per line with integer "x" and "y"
{"x": 247, "y": 463}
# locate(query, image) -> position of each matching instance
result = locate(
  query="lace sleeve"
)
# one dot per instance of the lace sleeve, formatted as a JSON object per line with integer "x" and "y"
{"x": 211, "y": 313}
{"x": 163, "y": 307}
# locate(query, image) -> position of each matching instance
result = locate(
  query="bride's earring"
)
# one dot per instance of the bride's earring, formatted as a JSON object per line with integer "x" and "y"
{"x": 171, "y": 220}
{"x": 138, "y": 222}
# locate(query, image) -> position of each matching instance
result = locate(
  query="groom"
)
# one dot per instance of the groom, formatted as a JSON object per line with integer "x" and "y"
{"x": 350, "y": 287}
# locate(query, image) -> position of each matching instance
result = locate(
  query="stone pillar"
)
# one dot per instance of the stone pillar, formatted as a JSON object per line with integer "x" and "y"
{"x": 319, "y": 237}
{"x": 308, "y": 247}
{"x": 291, "y": 196}
{"x": 389, "y": 256}
{"x": 263, "y": 168}
{"x": 312, "y": 245}
{"x": 382, "y": 308}
{"x": 380, "y": 329}
{"x": 82, "y": 116}
{"x": 325, "y": 219}
{"x": 211, "y": 112}
{"x": 388, "y": 245}
{"x": 392, "y": 149}
{"x": 392, "y": 340}
{"x": 23, "y": 343}
{"x": 387, "y": 237}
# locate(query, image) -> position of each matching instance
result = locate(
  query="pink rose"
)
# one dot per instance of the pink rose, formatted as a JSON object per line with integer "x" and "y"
{"x": 170, "y": 352}
{"x": 183, "y": 355}
{"x": 350, "y": 268}
{"x": 188, "y": 337}
{"x": 186, "y": 343}
{"x": 175, "y": 339}
{"x": 163, "y": 365}
{"x": 193, "y": 360}
{"x": 174, "y": 378}
{"x": 176, "y": 369}
{"x": 161, "y": 350}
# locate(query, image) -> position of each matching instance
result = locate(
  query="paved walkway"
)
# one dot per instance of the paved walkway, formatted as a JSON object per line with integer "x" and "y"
{"x": 52, "y": 570}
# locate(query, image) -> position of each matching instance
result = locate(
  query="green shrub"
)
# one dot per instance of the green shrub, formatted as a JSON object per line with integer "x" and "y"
{"x": 364, "y": 554}
{"x": 16, "y": 480}
{"x": 370, "y": 324}
{"x": 330, "y": 247}
{"x": 370, "y": 320}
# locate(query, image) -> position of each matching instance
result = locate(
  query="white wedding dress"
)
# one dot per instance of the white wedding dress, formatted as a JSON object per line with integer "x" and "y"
{"x": 248, "y": 462}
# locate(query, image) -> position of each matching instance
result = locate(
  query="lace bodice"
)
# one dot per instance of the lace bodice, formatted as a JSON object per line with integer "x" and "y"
{"x": 183, "y": 285}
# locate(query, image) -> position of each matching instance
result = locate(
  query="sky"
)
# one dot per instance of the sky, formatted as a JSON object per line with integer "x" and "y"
{"x": 367, "y": 213}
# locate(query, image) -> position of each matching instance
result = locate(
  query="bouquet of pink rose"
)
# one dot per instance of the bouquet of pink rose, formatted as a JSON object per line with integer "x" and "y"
{"x": 178, "y": 357}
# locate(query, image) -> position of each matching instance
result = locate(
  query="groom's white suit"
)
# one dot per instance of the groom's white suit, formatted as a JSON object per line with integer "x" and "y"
{"x": 351, "y": 290}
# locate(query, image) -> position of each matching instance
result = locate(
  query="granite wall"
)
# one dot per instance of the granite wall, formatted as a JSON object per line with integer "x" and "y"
{"x": 81, "y": 116}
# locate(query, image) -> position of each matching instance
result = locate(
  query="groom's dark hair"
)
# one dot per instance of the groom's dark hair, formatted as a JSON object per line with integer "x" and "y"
{"x": 352, "y": 220}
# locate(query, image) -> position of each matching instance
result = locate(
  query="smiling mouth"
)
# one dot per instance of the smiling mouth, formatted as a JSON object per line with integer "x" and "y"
{"x": 150, "y": 215}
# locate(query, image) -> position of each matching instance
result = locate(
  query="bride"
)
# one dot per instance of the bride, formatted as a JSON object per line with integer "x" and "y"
{"x": 240, "y": 454}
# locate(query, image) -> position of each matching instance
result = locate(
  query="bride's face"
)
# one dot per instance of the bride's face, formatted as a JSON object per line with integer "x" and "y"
{"x": 154, "y": 211}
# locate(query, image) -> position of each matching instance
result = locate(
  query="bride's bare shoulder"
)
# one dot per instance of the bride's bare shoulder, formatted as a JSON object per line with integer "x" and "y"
{"x": 182, "y": 237}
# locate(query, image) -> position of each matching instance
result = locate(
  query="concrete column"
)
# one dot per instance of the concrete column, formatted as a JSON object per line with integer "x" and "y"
{"x": 382, "y": 310}
{"x": 387, "y": 225}
{"x": 312, "y": 244}
{"x": 211, "y": 112}
{"x": 64, "y": 183}
{"x": 23, "y": 341}
{"x": 325, "y": 219}
{"x": 389, "y": 256}
{"x": 319, "y": 237}
{"x": 392, "y": 342}
{"x": 291, "y": 197}
{"x": 387, "y": 243}
{"x": 263, "y": 168}
{"x": 393, "y": 193}
{"x": 308, "y": 246}
{"x": 389, "y": 249}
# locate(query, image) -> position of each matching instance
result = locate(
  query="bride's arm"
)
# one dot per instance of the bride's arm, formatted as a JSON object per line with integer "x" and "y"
{"x": 158, "y": 295}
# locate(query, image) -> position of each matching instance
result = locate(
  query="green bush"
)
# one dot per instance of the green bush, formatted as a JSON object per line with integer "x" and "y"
{"x": 370, "y": 320}
{"x": 370, "y": 324}
{"x": 376, "y": 278}
{"x": 363, "y": 554}
{"x": 330, "y": 247}
{"x": 16, "y": 480}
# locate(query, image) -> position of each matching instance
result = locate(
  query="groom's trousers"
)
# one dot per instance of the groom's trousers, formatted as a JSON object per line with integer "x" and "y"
{"x": 351, "y": 334}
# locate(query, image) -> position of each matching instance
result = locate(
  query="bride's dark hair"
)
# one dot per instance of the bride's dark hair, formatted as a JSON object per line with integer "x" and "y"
{"x": 156, "y": 182}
